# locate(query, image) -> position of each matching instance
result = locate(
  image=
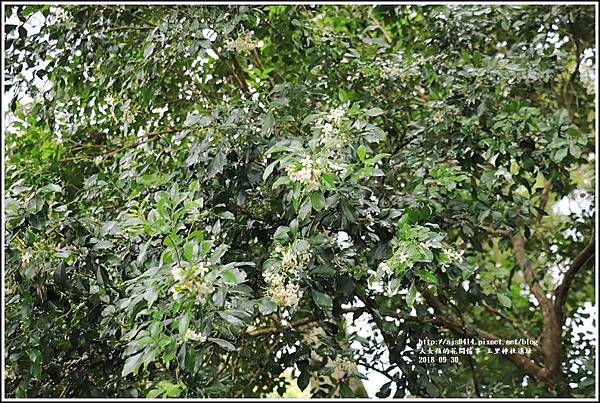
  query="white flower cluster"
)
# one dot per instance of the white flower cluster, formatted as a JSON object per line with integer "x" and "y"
{"x": 191, "y": 281}
{"x": 292, "y": 261}
{"x": 307, "y": 173}
{"x": 343, "y": 240}
{"x": 402, "y": 257}
{"x": 191, "y": 335}
{"x": 336, "y": 115}
{"x": 243, "y": 43}
{"x": 328, "y": 132}
{"x": 281, "y": 280}
{"x": 343, "y": 368}
{"x": 284, "y": 294}
{"x": 399, "y": 257}
{"x": 331, "y": 136}
{"x": 391, "y": 70}
{"x": 587, "y": 75}
{"x": 451, "y": 256}
{"x": 60, "y": 15}
{"x": 385, "y": 267}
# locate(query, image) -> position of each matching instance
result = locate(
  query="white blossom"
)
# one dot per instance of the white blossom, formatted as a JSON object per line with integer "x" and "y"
{"x": 243, "y": 43}
{"x": 178, "y": 273}
{"x": 200, "y": 269}
{"x": 282, "y": 280}
{"x": 343, "y": 240}
{"x": 191, "y": 335}
{"x": 308, "y": 174}
{"x": 328, "y": 130}
{"x": 26, "y": 258}
{"x": 390, "y": 70}
{"x": 342, "y": 368}
{"x": 285, "y": 295}
{"x": 385, "y": 267}
{"x": 402, "y": 257}
{"x": 336, "y": 115}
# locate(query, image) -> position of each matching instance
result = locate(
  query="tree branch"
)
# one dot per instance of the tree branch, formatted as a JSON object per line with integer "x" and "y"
{"x": 389, "y": 340}
{"x": 510, "y": 320}
{"x": 273, "y": 329}
{"x": 560, "y": 294}
{"x": 502, "y": 233}
{"x": 527, "y": 365}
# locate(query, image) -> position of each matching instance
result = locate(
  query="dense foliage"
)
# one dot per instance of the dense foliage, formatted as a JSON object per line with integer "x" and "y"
{"x": 199, "y": 198}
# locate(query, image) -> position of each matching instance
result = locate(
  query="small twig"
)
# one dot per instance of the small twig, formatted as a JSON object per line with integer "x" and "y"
{"x": 496, "y": 232}
{"x": 544, "y": 200}
{"x": 274, "y": 329}
{"x": 387, "y": 35}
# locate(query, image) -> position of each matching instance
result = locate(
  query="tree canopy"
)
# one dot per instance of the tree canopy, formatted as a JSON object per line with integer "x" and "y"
{"x": 198, "y": 199}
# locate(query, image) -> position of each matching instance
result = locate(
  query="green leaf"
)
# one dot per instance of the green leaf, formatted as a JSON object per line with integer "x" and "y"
{"x": 154, "y": 393}
{"x": 345, "y": 390}
{"x": 229, "y": 277}
{"x": 323, "y": 301}
{"x": 361, "y": 151}
{"x": 266, "y": 306}
{"x": 411, "y": 296}
{"x": 374, "y": 112}
{"x": 560, "y": 154}
{"x": 217, "y": 164}
{"x": 188, "y": 251}
{"x": 305, "y": 209}
{"x": 131, "y": 364}
{"x": 426, "y": 276}
{"x": 224, "y": 344}
{"x": 317, "y": 200}
{"x": 148, "y": 51}
{"x": 303, "y": 379}
{"x": 184, "y": 323}
{"x": 104, "y": 244}
{"x": 504, "y": 300}
{"x": 575, "y": 150}
{"x": 343, "y": 95}
{"x": 269, "y": 169}
{"x": 268, "y": 123}
{"x": 328, "y": 179}
{"x": 301, "y": 246}
{"x": 282, "y": 180}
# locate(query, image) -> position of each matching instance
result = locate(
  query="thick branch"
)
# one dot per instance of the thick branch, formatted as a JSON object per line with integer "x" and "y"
{"x": 551, "y": 334}
{"x": 510, "y": 320}
{"x": 524, "y": 363}
{"x": 496, "y": 232}
{"x": 389, "y": 340}
{"x": 518, "y": 243}
{"x": 272, "y": 329}
{"x": 560, "y": 294}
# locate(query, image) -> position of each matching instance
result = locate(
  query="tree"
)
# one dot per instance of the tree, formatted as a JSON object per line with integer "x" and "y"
{"x": 199, "y": 198}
